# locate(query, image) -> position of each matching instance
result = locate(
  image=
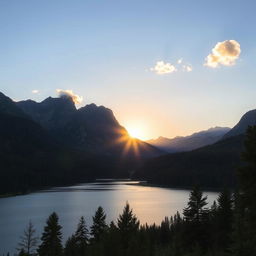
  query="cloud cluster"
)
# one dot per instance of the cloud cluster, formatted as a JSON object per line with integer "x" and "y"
{"x": 187, "y": 68}
{"x": 35, "y": 91}
{"x": 69, "y": 93}
{"x": 224, "y": 53}
{"x": 162, "y": 68}
{"x": 184, "y": 66}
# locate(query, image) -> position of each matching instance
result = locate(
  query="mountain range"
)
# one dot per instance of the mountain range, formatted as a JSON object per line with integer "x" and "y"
{"x": 188, "y": 143}
{"x": 210, "y": 166}
{"x": 93, "y": 129}
{"x": 52, "y": 142}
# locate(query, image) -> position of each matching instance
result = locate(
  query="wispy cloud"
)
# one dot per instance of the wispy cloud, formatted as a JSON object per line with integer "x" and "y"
{"x": 162, "y": 68}
{"x": 224, "y": 53}
{"x": 35, "y": 91}
{"x": 187, "y": 68}
{"x": 184, "y": 66}
{"x": 69, "y": 93}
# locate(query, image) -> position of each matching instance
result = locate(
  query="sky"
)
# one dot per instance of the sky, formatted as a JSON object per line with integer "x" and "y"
{"x": 165, "y": 68}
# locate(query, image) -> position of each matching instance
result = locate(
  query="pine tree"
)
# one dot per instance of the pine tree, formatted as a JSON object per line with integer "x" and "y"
{"x": 51, "y": 238}
{"x": 28, "y": 242}
{"x": 196, "y": 217}
{"x": 99, "y": 225}
{"x": 195, "y": 211}
{"x": 81, "y": 236}
{"x": 128, "y": 225}
{"x": 127, "y": 221}
{"x": 224, "y": 219}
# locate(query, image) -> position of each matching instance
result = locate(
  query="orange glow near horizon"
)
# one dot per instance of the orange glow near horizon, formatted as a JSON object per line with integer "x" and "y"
{"x": 136, "y": 132}
{"x": 131, "y": 145}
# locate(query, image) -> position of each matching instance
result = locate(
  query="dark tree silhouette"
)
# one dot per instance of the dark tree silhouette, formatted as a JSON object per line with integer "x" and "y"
{"x": 70, "y": 247}
{"x": 51, "y": 238}
{"x": 127, "y": 221}
{"x": 28, "y": 242}
{"x": 224, "y": 218}
{"x": 128, "y": 225}
{"x": 246, "y": 201}
{"x": 195, "y": 211}
{"x": 21, "y": 253}
{"x": 99, "y": 225}
{"x": 81, "y": 236}
{"x": 196, "y": 217}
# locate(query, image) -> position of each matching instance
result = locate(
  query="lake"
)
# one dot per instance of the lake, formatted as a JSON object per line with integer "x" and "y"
{"x": 150, "y": 204}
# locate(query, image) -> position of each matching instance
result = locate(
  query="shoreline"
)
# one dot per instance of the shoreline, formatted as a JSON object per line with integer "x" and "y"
{"x": 140, "y": 183}
{"x": 204, "y": 189}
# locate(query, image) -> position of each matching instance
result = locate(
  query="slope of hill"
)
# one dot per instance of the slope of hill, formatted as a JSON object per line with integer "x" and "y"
{"x": 24, "y": 148}
{"x": 7, "y": 106}
{"x": 211, "y": 166}
{"x": 187, "y": 143}
{"x": 249, "y": 118}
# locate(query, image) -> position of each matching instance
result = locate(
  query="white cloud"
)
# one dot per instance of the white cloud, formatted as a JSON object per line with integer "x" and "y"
{"x": 187, "y": 68}
{"x": 69, "y": 93}
{"x": 35, "y": 91}
{"x": 180, "y": 61}
{"x": 162, "y": 68}
{"x": 224, "y": 53}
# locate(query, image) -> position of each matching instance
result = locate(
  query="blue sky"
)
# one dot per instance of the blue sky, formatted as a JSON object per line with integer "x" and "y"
{"x": 105, "y": 51}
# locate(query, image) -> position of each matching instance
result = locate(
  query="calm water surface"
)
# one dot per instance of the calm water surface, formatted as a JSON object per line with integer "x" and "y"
{"x": 150, "y": 204}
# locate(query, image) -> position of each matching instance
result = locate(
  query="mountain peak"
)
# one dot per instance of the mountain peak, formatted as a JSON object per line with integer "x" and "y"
{"x": 8, "y": 106}
{"x": 249, "y": 118}
{"x": 51, "y": 113}
{"x": 61, "y": 101}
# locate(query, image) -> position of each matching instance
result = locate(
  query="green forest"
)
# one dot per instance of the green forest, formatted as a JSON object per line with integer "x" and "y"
{"x": 228, "y": 227}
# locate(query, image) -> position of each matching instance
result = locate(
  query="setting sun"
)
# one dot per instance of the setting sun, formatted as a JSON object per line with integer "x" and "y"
{"x": 136, "y": 132}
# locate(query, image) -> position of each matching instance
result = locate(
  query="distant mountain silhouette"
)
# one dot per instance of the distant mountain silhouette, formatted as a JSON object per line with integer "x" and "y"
{"x": 211, "y": 166}
{"x": 249, "y": 118}
{"x": 91, "y": 128}
{"x": 188, "y": 143}
{"x": 53, "y": 143}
